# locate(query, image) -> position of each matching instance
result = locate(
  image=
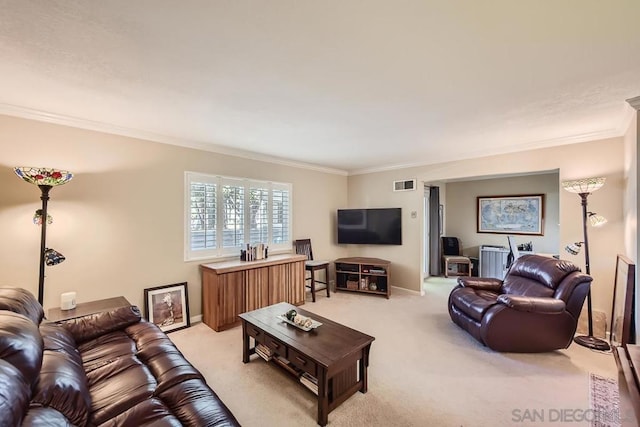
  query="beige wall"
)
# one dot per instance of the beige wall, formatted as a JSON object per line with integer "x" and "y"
{"x": 597, "y": 158}
{"x": 460, "y": 208}
{"x": 119, "y": 221}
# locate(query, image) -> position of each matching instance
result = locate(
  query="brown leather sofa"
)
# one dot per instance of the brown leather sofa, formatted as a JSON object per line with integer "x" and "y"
{"x": 534, "y": 309}
{"x": 106, "y": 369}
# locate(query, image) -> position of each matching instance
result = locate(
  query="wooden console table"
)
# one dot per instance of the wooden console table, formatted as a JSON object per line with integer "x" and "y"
{"x": 233, "y": 287}
{"x": 336, "y": 356}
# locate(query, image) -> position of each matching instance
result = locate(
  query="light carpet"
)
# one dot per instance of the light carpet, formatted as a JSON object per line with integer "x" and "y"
{"x": 424, "y": 371}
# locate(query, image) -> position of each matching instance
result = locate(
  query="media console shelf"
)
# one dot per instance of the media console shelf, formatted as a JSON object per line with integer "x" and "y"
{"x": 365, "y": 275}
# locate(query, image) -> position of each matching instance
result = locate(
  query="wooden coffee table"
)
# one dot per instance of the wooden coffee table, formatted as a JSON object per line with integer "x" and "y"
{"x": 335, "y": 355}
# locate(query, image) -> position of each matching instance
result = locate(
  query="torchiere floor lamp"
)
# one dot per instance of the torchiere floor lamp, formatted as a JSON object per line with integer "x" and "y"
{"x": 45, "y": 179}
{"x": 584, "y": 187}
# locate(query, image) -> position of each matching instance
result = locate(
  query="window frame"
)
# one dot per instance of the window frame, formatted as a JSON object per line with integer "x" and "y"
{"x": 219, "y": 251}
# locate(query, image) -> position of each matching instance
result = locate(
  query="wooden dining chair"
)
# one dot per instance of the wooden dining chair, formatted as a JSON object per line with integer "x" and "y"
{"x": 303, "y": 247}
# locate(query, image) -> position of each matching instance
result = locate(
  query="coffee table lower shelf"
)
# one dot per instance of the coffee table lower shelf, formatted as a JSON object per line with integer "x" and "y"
{"x": 304, "y": 354}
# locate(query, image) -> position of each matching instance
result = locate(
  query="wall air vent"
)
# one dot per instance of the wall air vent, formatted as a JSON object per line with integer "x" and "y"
{"x": 405, "y": 185}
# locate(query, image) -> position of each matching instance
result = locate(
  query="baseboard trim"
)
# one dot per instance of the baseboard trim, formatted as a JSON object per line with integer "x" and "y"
{"x": 196, "y": 319}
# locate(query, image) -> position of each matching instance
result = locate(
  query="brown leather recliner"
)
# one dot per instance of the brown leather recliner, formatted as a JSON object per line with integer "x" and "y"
{"x": 534, "y": 309}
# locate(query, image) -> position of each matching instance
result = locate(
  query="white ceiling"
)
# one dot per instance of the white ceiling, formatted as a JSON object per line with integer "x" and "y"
{"x": 351, "y": 85}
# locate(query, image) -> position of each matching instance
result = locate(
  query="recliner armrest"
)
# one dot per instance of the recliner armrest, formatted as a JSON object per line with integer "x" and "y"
{"x": 533, "y": 304}
{"x": 486, "y": 283}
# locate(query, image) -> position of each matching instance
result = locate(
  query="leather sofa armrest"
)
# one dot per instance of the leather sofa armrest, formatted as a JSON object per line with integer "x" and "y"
{"x": 486, "y": 283}
{"x": 533, "y": 304}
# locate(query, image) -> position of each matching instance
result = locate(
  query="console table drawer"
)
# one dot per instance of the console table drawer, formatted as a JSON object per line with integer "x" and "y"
{"x": 302, "y": 362}
{"x": 276, "y": 346}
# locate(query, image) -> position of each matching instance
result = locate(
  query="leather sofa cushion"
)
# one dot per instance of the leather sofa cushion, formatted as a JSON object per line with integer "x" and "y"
{"x": 21, "y": 345}
{"x": 94, "y": 325}
{"x": 124, "y": 383}
{"x": 14, "y": 394}
{"x": 163, "y": 359}
{"x": 104, "y": 350}
{"x": 63, "y": 383}
{"x": 146, "y": 413}
{"x": 40, "y": 416}
{"x": 473, "y": 302}
{"x": 202, "y": 408}
{"x": 21, "y": 301}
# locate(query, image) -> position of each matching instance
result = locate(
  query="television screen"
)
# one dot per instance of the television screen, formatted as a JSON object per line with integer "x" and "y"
{"x": 382, "y": 226}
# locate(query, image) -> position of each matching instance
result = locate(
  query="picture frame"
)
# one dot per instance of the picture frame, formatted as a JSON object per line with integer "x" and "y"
{"x": 621, "y": 326}
{"x": 517, "y": 214}
{"x": 168, "y": 306}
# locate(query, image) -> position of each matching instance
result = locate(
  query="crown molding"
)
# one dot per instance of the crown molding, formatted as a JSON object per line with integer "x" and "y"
{"x": 43, "y": 116}
{"x": 527, "y": 146}
{"x": 634, "y": 102}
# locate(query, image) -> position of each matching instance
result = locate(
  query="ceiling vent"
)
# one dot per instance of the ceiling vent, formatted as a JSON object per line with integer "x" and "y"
{"x": 406, "y": 185}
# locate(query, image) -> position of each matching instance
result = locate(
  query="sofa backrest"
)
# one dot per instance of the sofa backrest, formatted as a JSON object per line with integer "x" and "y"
{"x": 21, "y": 301}
{"x": 537, "y": 276}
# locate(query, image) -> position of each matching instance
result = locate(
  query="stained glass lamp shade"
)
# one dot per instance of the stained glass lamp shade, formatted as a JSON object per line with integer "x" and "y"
{"x": 45, "y": 179}
{"x": 582, "y": 186}
{"x": 43, "y": 176}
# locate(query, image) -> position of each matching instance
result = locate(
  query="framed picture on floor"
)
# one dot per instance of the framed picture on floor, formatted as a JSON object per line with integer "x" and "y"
{"x": 168, "y": 306}
{"x": 519, "y": 214}
{"x": 622, "y": 330}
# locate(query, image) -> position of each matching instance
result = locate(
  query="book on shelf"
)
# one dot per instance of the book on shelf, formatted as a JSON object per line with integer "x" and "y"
{"x": 310, "y": 382}
{"x": 264, "y": 352}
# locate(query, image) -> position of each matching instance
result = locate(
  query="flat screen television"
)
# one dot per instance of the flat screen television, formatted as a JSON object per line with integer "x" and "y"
{"x": 380, "y": 226}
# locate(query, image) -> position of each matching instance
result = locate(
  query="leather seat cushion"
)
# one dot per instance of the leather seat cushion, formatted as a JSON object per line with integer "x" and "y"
{"x": 473, "y": 302}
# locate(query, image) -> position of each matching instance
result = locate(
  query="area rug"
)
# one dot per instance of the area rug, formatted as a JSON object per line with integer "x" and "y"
{"x": 605, "y": 402}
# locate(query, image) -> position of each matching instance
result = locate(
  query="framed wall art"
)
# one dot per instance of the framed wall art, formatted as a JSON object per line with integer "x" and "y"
{"x": 168, "y": 306}
{"x": 519, "y": 214}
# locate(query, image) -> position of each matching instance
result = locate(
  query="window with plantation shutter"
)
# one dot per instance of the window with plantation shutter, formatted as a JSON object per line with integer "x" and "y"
{"x": 223, "y": 214}
{"x": 280, "y": 218}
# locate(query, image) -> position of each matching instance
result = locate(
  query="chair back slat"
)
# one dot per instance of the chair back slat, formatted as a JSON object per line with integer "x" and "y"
{"x": 303, "y": 247}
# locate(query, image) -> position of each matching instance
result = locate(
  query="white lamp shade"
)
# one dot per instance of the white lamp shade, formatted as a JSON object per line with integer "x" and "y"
{"x": 597, "y": 220}
{"x": 586, "y": 185}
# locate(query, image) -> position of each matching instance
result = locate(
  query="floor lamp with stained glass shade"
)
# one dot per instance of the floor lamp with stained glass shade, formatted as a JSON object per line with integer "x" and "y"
{"x": 45, "y": 179}
{"x": 584, "y": 187}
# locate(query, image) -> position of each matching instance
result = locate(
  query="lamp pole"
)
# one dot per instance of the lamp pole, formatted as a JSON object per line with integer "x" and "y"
{"x": 43, "y": 238}
{"x": 583, "y": 197}
{"x": 589, "y": 340}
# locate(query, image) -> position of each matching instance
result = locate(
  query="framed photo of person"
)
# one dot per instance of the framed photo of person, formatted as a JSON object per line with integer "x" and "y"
{"x": 168, "y": 306}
